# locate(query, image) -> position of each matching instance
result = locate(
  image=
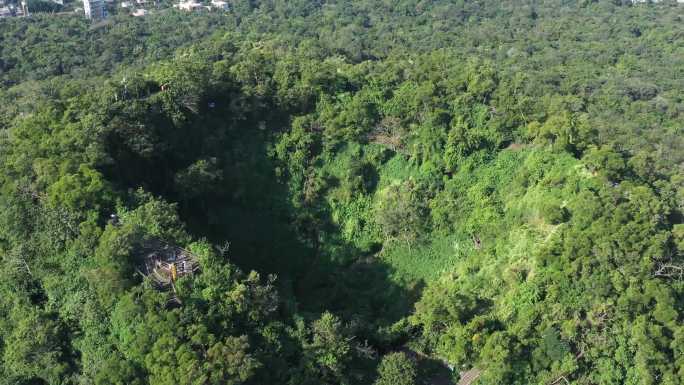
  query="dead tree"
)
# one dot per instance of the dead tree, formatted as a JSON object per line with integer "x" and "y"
{"x": 669, "y": 270}
{"x": 559, "y": 379}
{"x": 387, "y": 134}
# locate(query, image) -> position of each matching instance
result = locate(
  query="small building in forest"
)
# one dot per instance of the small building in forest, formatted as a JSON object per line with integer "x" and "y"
{"x": 165, "y": 263}
{"x": 220, "y": 4}
{"x": 189, "y": 5}
{"x": 94, "y": 9}
{"x": 469, "y": 376}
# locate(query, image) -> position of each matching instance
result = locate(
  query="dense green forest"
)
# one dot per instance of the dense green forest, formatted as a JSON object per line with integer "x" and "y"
{"x": 376, "y": 192}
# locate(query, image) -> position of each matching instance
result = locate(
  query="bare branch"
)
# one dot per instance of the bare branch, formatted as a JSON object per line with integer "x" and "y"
{"x": 668, "y": 270}
{"x": 559, "y": 379}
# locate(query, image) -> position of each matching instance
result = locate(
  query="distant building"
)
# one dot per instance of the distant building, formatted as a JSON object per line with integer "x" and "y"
{"x": 165, "y": 263}
{"x": 220, "y": 4}
{"x": 126, "y": 4}
{"x": 189, "y": 5}
{"x": 94, "y": 9}
{"x": 11, "y": 10}
{"x": 139, "y": 12}
{"x": 469, "y": 376}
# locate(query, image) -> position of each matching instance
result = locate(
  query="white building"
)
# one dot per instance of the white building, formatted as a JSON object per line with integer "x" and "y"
{"x": 139, "y": 12}
{"x": 94, "y": 9}
{"x": 189, "y": 5}
{"x": 11, "y": 10}
{"x": 220, "y": 4}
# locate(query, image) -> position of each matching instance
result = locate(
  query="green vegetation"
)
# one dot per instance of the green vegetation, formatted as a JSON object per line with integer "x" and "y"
{"x": 387, "y": 192}
{"x": 397, "y": 369}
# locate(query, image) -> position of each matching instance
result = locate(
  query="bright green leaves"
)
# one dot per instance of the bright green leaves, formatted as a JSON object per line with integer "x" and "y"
{"x": 327, "y": 351}
{"x": 350, "y": 117}
{"x": 481, "y": 79}
{"x": 577, "y": 264}
{"x": 207, "y": 341}
{"x": 329, "y": 345}
{"x": 400, "y": 165}
{"x": 230, "y": 362}
{"x": 401, "y": 212}
{"x": 86, "y": 189}
{"x": 35, "y": 347}
{"x": 410, "y": 100}
{"x": 605, "y": 161}
{"x": 169, "y": 361}
{"x": 396, "y": 369}
{"x": 551, "y": 348}
{"x": 115, "y": 370}
{"x": 118, "y": 258}
{"x": 566, "y": 126}
{"x": 448, "y": 316}
{"x": 153, "y": 217}
{"x": 182, "y": 85}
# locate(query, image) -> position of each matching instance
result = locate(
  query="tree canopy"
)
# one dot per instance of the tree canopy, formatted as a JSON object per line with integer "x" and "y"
{"x": 376, "y": 192}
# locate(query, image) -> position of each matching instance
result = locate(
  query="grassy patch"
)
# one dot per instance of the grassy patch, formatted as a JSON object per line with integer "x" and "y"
{"x": 425, "y": 262}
